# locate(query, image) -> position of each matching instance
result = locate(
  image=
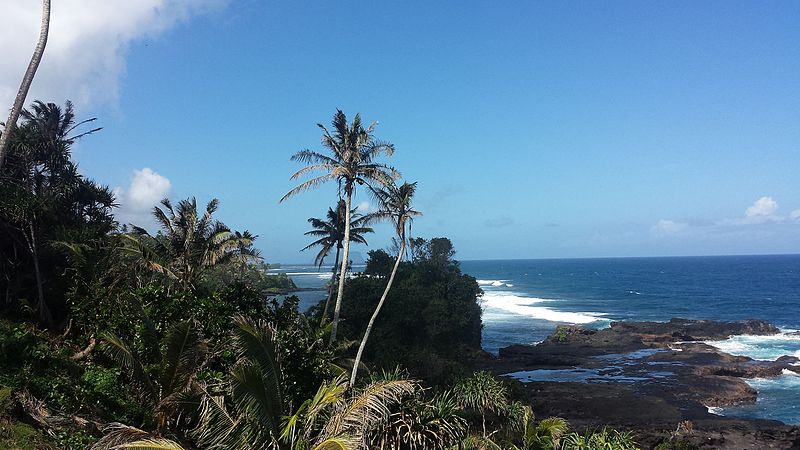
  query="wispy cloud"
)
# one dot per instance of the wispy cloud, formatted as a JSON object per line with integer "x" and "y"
{"x": 364, "y": 207}
{"x": 86, "y": 50}
{"x": 665, "y": 227}
{"x": 499, "y": 222}
{"x": 759, "y": 218}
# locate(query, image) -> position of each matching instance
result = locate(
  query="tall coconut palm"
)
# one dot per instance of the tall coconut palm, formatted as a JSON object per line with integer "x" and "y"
{"x": 353, "y": 151}
{"x": 189, "y": 243}
{"x": 331, "y": 234}
{"x": 27, "y": 80}
{"x": 395, "y": 205}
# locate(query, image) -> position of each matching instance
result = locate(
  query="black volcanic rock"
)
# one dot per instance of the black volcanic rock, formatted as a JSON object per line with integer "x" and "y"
{"x": 696, "y": 330}
{"x": 649, "y": 376}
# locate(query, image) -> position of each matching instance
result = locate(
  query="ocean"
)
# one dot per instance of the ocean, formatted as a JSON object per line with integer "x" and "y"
{"x": 525, "y": 300}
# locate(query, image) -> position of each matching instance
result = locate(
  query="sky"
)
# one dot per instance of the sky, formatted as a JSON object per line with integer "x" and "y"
{"x": 533, "y": 129}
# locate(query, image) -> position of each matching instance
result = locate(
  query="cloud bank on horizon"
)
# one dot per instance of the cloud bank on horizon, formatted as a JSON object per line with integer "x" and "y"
{"x": 762, "y": 211}
{"x": 86, "y": 50}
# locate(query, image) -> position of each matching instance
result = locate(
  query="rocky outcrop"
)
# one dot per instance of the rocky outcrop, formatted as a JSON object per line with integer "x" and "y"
{"x": 650, "y": 376}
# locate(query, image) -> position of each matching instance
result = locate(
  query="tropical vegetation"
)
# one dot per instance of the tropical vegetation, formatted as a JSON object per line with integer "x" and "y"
{"x": 116, "y": 336}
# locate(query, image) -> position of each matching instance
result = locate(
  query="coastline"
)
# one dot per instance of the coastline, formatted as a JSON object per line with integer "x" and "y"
{"x": 650, "y": 377}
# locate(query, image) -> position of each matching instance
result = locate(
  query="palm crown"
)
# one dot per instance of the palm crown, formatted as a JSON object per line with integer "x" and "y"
{"x": 353, "y": 150}
{"x": 189, "y": 243}
{"x": 395, "y": 205}
{"x": 331, "y": 230}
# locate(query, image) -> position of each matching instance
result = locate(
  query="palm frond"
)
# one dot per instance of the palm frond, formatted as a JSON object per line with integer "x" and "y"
{"x": 117, "y": 350}
{"x": 120, "y": 436}
{"x": 342, "y": 442}
{"x": 183, "y": 355}
{"x": 217, "y": 428}
{"x": 312, "y": 183}
{"x": 151, "y": 444}
{"x": 368, "y": 407}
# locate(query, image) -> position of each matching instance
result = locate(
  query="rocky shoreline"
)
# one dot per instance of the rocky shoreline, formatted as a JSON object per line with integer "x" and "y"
{"x": 651, "y": 377}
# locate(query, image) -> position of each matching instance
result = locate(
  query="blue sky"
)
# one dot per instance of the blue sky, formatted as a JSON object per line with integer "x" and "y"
{"x": 561, "y": 129}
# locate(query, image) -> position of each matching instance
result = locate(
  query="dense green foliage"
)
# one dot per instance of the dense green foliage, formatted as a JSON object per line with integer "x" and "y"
{"x": 431, "y": 321}
{"x": 44, "y": 200}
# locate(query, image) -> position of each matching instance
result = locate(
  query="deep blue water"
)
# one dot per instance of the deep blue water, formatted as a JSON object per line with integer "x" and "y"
{"x": 525, "y": 300}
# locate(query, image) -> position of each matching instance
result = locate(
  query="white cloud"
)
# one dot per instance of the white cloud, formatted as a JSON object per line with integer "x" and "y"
{"x": 666, "y": 227}
{"x": 146, "y": 190}
{"x": 763, "y": 210}
{"x": 87, "y": 45}
{"x": 795, "y": 215}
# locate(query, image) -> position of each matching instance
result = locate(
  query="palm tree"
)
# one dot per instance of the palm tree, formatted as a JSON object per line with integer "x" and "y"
{"x": 27, "y": 80}
{"x": 353, "y": 151}
{"x": 331, "y": 234}
{"x": 545, "y": 435}
{"x": 188, "y": 243}
{"x": 395, "y": 204}
{"x": 605, "y": 439}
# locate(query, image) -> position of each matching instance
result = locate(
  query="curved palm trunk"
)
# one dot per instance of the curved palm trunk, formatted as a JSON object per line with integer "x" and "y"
{"x": 333, "y": 282}
{"x": 22, "y": 93}
{"x": 377, "y": 310}
{"x": 343, "y": 271}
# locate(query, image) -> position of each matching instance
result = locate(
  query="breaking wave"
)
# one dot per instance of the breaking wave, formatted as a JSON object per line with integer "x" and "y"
{"x": 494, "y": 283}
{"x": 529, "y": 306}
{"x": 765, "y": 348}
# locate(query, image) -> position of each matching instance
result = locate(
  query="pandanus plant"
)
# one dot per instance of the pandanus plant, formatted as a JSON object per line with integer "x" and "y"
{"x": 168, "y": 389}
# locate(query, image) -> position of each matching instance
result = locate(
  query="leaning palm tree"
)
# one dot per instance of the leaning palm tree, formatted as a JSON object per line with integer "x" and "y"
{"x": 189, "y": 243}
{"x": 331, "y": 234}
{"x": 395, "y": 205}
{"x": 27, "y": 80}
{"x": 353, "y": 151}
